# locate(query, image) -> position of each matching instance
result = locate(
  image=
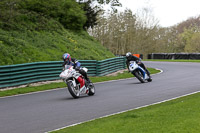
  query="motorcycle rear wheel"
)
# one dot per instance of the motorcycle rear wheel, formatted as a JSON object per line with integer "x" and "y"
{"x": 139, "y": 76}
{"x": 91, "y": 89}
{"x": 73, "y": 90}
{"x": 149, "y": 80}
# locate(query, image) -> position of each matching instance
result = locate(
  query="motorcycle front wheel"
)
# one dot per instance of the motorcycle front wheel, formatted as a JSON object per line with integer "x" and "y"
{"x": 139, "y": 76}
{"x": 73, "y": 90}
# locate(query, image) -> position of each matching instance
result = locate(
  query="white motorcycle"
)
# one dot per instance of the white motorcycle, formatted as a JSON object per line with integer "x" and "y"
{"x": 139, "y": 72}
{"x": 77, "y": 85}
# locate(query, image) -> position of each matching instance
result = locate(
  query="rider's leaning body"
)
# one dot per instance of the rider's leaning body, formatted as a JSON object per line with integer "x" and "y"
{"x": 73, "y": 62}
{"x": 130, "y": 57}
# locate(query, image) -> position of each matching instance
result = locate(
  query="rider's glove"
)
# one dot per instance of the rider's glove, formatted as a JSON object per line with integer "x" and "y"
{"x": 77, "y": 68}
{"x": 138, "y": 62}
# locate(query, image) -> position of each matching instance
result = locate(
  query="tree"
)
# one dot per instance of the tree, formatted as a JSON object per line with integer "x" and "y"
{"x": 91, "y": 14}
{"x": 190, "y": 39}
{"x": 7, "y": 9}
{"x": 93, "y": 7}
{"x": 190, "y": 22}
{"x": 113, "y": 3}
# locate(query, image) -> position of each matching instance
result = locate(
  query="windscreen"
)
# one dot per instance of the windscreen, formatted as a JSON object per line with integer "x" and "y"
{"x": 67, "y": 66}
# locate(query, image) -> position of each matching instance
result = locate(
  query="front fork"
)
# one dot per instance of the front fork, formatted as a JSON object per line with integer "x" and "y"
{"x": 83, "y": 88}
{"x": 143, "y": 73}
{"x": 73, "y": 82}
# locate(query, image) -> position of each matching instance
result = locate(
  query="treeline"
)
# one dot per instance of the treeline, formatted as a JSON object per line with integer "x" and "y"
{"x": 142, "y": 34}
{"x": 125, "y": 31}
{"x": 183, "y": 37}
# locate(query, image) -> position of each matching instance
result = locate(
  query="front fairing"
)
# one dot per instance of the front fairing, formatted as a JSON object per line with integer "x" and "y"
{"x": 133, "y": 66}
{"x": 67, "y": 73}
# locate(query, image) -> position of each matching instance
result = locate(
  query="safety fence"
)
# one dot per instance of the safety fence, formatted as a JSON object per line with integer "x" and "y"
{"x": 20, "y": 74}
{"x": 187, "y": 56}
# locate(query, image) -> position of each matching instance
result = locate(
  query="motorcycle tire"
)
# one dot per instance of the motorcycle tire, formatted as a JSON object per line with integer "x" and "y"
{"x": 149, "y": 80}
{"x": 73, "y": 90}
{"x": 139, "y": 76}
{"x": 91, "y": 89}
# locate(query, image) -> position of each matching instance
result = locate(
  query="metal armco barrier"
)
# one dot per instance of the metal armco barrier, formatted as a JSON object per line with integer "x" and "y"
{"x": 14, "y": 75}
{"x": 173, "y": 56}
{"x": 110, "y": 65}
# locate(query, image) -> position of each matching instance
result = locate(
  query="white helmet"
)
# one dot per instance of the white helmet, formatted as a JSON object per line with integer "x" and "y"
{"x": 128, "y": 54}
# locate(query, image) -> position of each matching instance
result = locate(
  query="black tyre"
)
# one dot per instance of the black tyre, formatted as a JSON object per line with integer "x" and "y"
{"x": 139, "y": 76}
{"x": 149, "y": 80}
{"x": 91, "y": 89}
{"x": 73, "y": 90}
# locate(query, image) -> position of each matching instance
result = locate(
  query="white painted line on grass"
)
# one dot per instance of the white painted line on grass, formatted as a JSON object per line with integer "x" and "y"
{"x": 124, "y": 111}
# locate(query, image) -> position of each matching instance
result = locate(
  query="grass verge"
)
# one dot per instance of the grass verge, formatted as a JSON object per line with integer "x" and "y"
{"x": 177, "y": 116}
{"x": 62, "y": 84}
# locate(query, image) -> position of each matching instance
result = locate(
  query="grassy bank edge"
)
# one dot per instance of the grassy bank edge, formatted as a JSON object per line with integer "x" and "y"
{"x": 178, "y": 115}
{"x": 30, "y": 89}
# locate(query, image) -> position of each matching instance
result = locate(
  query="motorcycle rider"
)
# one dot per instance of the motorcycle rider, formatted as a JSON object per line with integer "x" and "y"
{"x": 77, "y": 65}
{"x": 131, "y": 57}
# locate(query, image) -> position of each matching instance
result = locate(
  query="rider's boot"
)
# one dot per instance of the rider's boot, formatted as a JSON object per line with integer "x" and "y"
{"x": 148, "y": 73}
{"x": 88, "y": 80}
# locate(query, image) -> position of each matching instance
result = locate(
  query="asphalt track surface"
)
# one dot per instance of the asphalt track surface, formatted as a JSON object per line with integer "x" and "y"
{"x": 46, "y": 111}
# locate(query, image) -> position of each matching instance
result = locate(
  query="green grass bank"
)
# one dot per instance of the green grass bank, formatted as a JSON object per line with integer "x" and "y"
{"x": 177, "y": 116}
{"x": 19, "y": 47}
{"x": 35, "y": 30}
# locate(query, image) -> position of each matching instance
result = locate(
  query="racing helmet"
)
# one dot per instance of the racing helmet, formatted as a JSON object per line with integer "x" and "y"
{"x": 128, "y": 54}
{"x": 66, "y": 57}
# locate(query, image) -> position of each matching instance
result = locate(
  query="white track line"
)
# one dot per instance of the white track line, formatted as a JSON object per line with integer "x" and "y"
{"x": 124, "y": 111}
